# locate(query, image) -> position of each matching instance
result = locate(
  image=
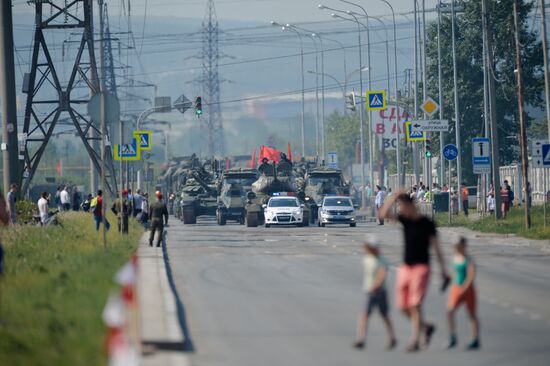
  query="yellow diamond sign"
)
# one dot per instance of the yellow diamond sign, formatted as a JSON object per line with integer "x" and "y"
{"x": 430, "y": 107}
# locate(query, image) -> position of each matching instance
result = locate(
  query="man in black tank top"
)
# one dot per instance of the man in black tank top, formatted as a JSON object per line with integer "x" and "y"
{"x": 413, "y": 275}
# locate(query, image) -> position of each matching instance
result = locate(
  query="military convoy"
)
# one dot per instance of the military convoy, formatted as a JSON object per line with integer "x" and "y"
{"x": 239, "y": 194}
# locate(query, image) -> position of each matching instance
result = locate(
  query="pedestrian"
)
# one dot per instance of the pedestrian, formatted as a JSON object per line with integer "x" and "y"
{"x": 158, "y": 211}
{"x": 379, "y": 201}
{"x": 87, "y": 202}
{"x": 76, "y": 199}
{"x": 504, "y": 198}
{"x": 421, "y": 194}
{"x": 65, "y": 199}
{"x": 122, "y": 209}
{"x": 413, "y": 275}
{"x": 43, "y": 209}
{"x": 136, "y": 201}
{"x": 463, "y": 292}
{"x": 375, "y": 268}
{"x": 464, "y": 193}
{"x": 145, "y": 211}
{"x": 97, "y": 209}
{"x": 12, "y": 203}
{"x": 57, "y": 199}
{"x": 491, "y": 204}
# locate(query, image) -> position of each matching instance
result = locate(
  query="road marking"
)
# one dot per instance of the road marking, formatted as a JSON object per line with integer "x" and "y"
{"x": 534, "y": 316}
{"x": 504, "y": 304}
{"x": 519, "y": 311}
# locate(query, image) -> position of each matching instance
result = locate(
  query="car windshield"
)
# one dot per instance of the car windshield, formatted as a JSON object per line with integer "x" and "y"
{"x": 284, "y": 202}
{"x": 241, "y": 181}
{"x": 342, "y": 202}
{"x": 313, "y": 181}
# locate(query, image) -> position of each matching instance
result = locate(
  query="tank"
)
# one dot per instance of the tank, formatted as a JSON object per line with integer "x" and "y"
{"x": 198, "y": 198}
{"x": 320, "y": 182}
{"x": 234, "y": 185}
{"x": 262, "y": 190}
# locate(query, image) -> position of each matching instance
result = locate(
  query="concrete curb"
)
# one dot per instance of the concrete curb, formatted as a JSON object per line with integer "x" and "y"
{"x": 161, "y": 335}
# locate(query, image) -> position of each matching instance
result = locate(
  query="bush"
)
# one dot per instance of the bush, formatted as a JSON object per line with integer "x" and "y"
{"x": 25, "y": 211}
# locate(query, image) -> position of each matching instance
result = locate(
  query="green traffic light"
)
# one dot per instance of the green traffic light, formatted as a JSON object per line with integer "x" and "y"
{"x": 428, "y": 154}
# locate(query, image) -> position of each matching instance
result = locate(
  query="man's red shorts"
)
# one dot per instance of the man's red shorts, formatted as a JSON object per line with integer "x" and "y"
{"x": 412, "y": 285}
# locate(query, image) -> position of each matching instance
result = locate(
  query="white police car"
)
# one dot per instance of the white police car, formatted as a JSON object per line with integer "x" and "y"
{"x": 337, "y": 210}
{"x": 283, "y": 210}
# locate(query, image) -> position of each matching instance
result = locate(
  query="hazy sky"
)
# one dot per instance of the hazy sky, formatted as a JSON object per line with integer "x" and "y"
{"x": 260, "y": 10}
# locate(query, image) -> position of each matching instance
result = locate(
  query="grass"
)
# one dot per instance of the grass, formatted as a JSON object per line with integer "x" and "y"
{"x": 514, "y": 223}
{"x": 54, "y": 288}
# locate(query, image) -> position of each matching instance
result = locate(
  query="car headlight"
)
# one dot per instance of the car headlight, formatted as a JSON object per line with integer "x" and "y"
{"x": 323, "y": 211}
{"x": 297, "y": 212}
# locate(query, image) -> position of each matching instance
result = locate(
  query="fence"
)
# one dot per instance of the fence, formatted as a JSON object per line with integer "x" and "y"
{"x": 539, "y": 179}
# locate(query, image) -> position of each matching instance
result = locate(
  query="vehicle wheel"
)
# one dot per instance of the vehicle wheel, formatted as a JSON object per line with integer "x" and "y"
{"x": 220, "y": 218}
{"x": 353, "y": 224}
{"x": 323, "y": 225}
{"x": 305, "y": 220}
{"x": 319, "y": 223}
{"x": 267, "y": 226}
{"x": 189, "y": 217}
{"x": 252, "y": 219}
{"x": 241, "y": 220}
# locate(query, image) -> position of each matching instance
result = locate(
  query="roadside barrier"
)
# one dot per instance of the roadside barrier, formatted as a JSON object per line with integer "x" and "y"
{"x": 121, "y": 316}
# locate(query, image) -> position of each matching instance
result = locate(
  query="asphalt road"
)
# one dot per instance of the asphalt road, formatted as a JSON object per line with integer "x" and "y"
{"x": 291, "y": 296}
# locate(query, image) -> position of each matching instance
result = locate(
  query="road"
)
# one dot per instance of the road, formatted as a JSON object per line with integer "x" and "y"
{"x": 291, "y": 296}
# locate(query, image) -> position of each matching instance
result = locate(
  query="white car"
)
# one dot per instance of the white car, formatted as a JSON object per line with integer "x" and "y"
{"x": 283, "y": 210}
{"x": 337, "y": 210}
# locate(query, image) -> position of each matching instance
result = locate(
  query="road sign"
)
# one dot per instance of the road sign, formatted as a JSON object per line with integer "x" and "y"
{"x": 163, "y": 104}
{"x": 332, "y": 160}
{"x": 430, "y": 125}
{"x": 112, "y": 108}
{"x": 128, "y": 152}
{"x": 430, "y": 107}
{"x": 536, "y": 153}
{"x": 376, "y": 100}
{"x": 413, "y": 135}
{"x": 481, "y": 155}
{"x": 384, "y": 125}
{"x": 182, "y": 104}
{"x": 144, "y": 138}
{"x": 450, "y": 152}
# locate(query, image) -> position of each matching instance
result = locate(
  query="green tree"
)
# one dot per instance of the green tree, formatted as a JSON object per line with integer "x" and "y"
{"x": 342, "y": 136}
{"x": 469, "y": 48}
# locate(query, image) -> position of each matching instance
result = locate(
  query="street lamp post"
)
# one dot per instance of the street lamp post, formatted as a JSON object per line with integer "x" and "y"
{"x": 284, "y": 28}
{"x": 400, "y": 179}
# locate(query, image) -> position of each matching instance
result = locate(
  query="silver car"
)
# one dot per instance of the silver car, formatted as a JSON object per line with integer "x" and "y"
{"x": 337, "y": 210}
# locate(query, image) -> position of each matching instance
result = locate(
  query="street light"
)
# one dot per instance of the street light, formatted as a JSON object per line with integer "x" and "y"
{"x": 284, "y": 28}
{"x": 398, "y": 153}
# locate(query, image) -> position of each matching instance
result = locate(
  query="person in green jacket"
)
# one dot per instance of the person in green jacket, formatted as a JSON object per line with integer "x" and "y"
{"x": 122, "y": 211}
{"x": 157, "y": 212}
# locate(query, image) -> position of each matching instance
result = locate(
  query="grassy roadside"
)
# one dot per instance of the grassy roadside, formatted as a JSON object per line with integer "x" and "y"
{"x": 513, "y": 224}
{"x": 55, "y": 285}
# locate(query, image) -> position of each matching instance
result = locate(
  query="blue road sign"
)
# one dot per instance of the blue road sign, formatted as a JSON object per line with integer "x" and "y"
{"x": 450, "y": 152}
{"x": 481, "y": 155}
{"x": 546, "y": 154}
{"x": 376, "y": 100}
{"x": 412, "y": 135}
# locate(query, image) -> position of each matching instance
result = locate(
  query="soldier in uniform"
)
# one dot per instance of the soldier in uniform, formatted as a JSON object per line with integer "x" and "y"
{"x": 265, "y": 168}
{"x": 158, "y": 211}
{"x": 122, "y": 211}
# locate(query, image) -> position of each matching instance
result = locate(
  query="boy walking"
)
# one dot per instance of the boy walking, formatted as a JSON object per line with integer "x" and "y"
{"x": 374, "y": 275}
{"x": 463, "y": 292}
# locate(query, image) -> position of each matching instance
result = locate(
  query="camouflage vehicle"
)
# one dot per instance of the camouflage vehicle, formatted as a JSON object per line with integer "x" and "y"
{"x": 277, "y": 179}
{"x": 234, "y": 185}
{"x": 198, "y": 198}
{"x": 319, "y": 182}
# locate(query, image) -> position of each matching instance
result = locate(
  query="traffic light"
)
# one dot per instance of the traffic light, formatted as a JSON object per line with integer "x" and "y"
{"x": 350, "y": 101}
{"x": 198, "y": 106}
{"x": 428, "y": 149}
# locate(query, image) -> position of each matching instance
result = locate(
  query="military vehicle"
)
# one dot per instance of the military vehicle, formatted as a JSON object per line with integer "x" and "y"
{"x": 319, "y": 182}
{"x": 277, "y": 179}
{"x": 198, "y": 197}
{"x": 234, "y": 185}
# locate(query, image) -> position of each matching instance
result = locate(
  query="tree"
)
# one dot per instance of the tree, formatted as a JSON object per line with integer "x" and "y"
{"x": 469, "y": 48}
{"x": 342, "y": 135}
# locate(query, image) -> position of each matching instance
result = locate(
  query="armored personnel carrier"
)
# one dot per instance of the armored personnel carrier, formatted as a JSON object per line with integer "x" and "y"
{"x": 234, "y": 185}
{"x": 198, "y": 198}
{"x": 319, "y": 182}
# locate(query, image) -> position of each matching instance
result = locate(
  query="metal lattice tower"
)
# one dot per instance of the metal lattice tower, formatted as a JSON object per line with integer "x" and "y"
{"x": 211, "y": 81}
{"x": 53, "y": 95}
{"x": 108, "y": 62}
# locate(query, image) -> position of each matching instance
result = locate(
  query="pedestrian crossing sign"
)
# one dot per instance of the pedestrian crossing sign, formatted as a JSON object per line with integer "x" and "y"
{"x": 376, "y": 100}
{"x": 144, "y": 138}
{"x": 414, "y": 135}
{"x": 128, "y": 152}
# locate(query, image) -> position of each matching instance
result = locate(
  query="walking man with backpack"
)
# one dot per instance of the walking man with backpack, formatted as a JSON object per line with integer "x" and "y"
{"x": 97, "y": 208}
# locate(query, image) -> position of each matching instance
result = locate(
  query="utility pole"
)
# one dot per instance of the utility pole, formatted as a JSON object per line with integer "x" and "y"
{"x": 522, "y": 124}
{"x": 545, "y": 55}
{"x": 492, "y": 107}
{"x": 440, "y": 92}
{"x": 457, "y": 111}
{"x": 414, "y": 143}
{"x": 10, "y": 146}
{"x": 102, "y": 118}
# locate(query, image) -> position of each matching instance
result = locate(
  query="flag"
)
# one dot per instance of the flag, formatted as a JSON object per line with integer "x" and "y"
{"x": 270, "y": 153}
{"x": 58, "y": 168}
{"x": 289, "y": 152}
{"x": 227, "y": 163}
{"x": 253, "y": 161}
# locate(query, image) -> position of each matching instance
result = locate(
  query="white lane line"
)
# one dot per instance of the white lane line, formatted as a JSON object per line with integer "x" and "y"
{"x": 534, "y": 316}
{"x": 505, "y": 304}
{"x": 519, "y": 311}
